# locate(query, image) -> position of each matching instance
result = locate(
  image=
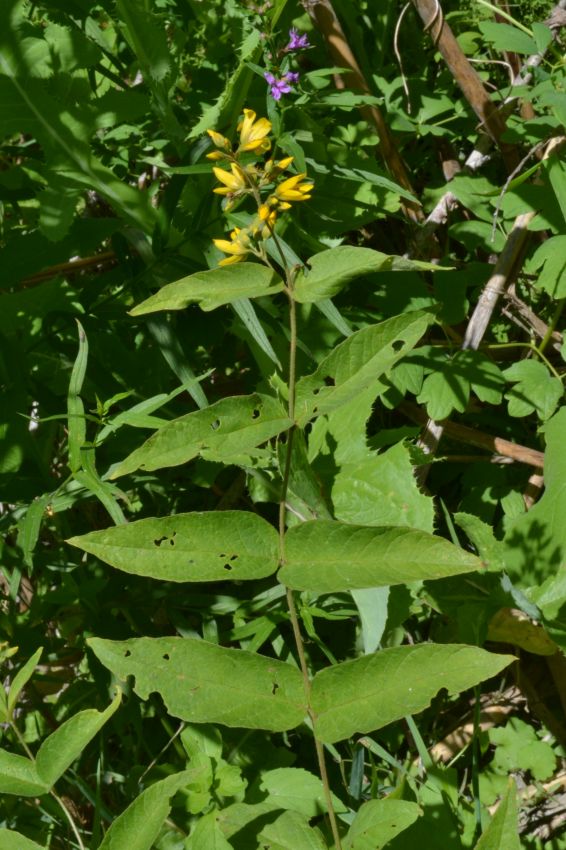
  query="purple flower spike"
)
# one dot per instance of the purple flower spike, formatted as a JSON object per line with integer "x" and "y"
{"x": 297, "y": 41}
{"x": 279, "y": 87}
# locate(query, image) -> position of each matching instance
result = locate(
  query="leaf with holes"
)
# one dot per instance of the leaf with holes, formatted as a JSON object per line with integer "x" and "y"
{"x": 212, "y": 288}
{"x": 377, "y": 822}
{"x": 358, "y": 363}
{"x": 228, "y": 430}
{"x": 208, "y": 546}
{"x": 372, "y": 691}
{"x": 326, "y": 557}
{"x": 330, "y": 271}
{"x": 205, "y": 683}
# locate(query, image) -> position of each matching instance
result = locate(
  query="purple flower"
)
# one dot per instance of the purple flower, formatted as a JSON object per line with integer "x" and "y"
{"x": 279, "y": 87}
{"x": 297, "y": 41}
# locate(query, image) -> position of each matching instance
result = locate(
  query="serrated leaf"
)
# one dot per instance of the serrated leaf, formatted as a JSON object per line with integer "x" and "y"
{"x": 139, "y": 826}
{"x": 382, "y": 490}
{"x": 490, "y": 550}
{"x": 373, "y": 691}
{"x": 358, "y": 363}
{"x": 12, "y": 840}
{"x": 502, "y": 832}
{"x": 535, "y": 389}
{"x": 377, "y": 822}
{"x": 227, "y": 430}
{"x": 328, "y": 272}
{"x": 291, "y": 831}
{"x": 295, "y": 789}
{"x": 519, "y": 748}
{"x": 212, "y": 288}
{"x": 535, "y": 543}
{"x": 326, "y": 557}
{"x": 207, "y": 835}
{"x": 18, "y": 775}
{"x": 62, "y": 747}
{"x": 205, "y": 683}
{"x": 550, "y": 258}
{"x": 208, "y": 546}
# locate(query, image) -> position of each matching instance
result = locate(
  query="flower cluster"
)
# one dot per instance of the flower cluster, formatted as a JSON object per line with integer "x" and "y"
{"x": 261, "y": 180}
{"x": 285, "y": 80}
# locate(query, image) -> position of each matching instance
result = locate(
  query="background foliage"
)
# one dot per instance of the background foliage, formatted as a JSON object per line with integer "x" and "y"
{"x": 144, "y": 452}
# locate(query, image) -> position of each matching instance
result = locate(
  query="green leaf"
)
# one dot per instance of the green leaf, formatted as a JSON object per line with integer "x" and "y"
{"x": 507, "y": 37}
{"x": 213, "y": 288}
{"x": 62, "y": 747}
{"x": 12, "y": 840}
{"x": 202, "y": 682}
{"x": 372, "y": 691}
{"x": 139, "y": 826}
{"x": 295, "y": 789}
{"x": 291, "y": 831}
{"x": 228, "y": 430}
{"x": 207, "y": 835}
{"x": 21, "y": 679}
{"x": 326, "y": 557}
{"x": 328, "y": 272}
{"x": 502, "y": 831}
{"x": 535, "y": 389}
{"x": 146, "y": 38}
{"x": 358, "y": 363}
{"x": 550, "y": 258}
{"x": 244, "y": 308}
{"x": 535, "y": 543}
{"x": 378, "y": 821}
{"x": 489, "y": 548}
{"x": 18, "y": 775}
{"x": 208, "y": 546}
{"x": 519, "y": 748}
{"x": 382, "y": 490}
{"x": 75, "y": 410}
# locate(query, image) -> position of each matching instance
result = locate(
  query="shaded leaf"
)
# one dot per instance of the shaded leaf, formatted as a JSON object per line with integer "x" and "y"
{"x": 225, "y": 431}
{"x": 378, "y": 821}
{"x": 18, "y": 775}
{"x": 326, "y": 556}
{"x": 372, "y": 691}
{"x": 208, "y": 546}
{"x": 139, "y": 826}
{"x": 328, "y": 272}
{"x": 212, "y": 288}
{"x": 12, "y": 840}
{"x": 535, "y": 389}
{"x": 291, "y": 831}
{"x": 21, "y": 678}
{"x": 206, "y": 683}
{"x": 502, "y": 832}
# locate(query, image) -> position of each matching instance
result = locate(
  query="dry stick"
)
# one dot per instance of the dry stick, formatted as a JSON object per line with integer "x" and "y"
{"x": 501, "y": 278}
{"x": 326, "y": 21}
{"x": 465, "y": 75}
{"x": 69, "y": 267}
{"x": 473, "y": 437}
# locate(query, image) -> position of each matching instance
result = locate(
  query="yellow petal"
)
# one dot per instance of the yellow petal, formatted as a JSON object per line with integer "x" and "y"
{"x": 219, "y": 140}
{"x": 227, "y": 261}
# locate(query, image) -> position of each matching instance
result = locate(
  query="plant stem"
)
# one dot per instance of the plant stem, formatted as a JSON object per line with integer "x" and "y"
{"x": 290, "y": 596}
{"x": 552, "y": 325}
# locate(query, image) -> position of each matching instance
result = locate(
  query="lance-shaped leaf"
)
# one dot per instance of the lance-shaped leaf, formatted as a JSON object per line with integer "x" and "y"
{"x": 327, "y": 556}
{"x": 327, "y": 273}
{"x": 209, "y": 546}
{"x": 502, "y": 831}
{"x": 12, "y": 840}
{"x": 372, "y": 691}
{"x": 18, "y": 775}
{"x": 63, "y": 746}
{"x": 229, "y": 429}
{"x": 358, "y": 363}
{"x": 139, "y": 826}
{"x": 212, "y": 288}
{"x": 377, "y": 822}
{"x": 205, "y": 683}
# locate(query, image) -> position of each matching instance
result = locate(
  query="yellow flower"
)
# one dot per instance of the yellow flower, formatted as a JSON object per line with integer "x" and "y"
{"x": 238, "y": 247}
{"x": 253, "y": 134}
{"x": 233, "y": 182}
{"x": 293, "y": 190}
{"x": 219, "y": 140}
